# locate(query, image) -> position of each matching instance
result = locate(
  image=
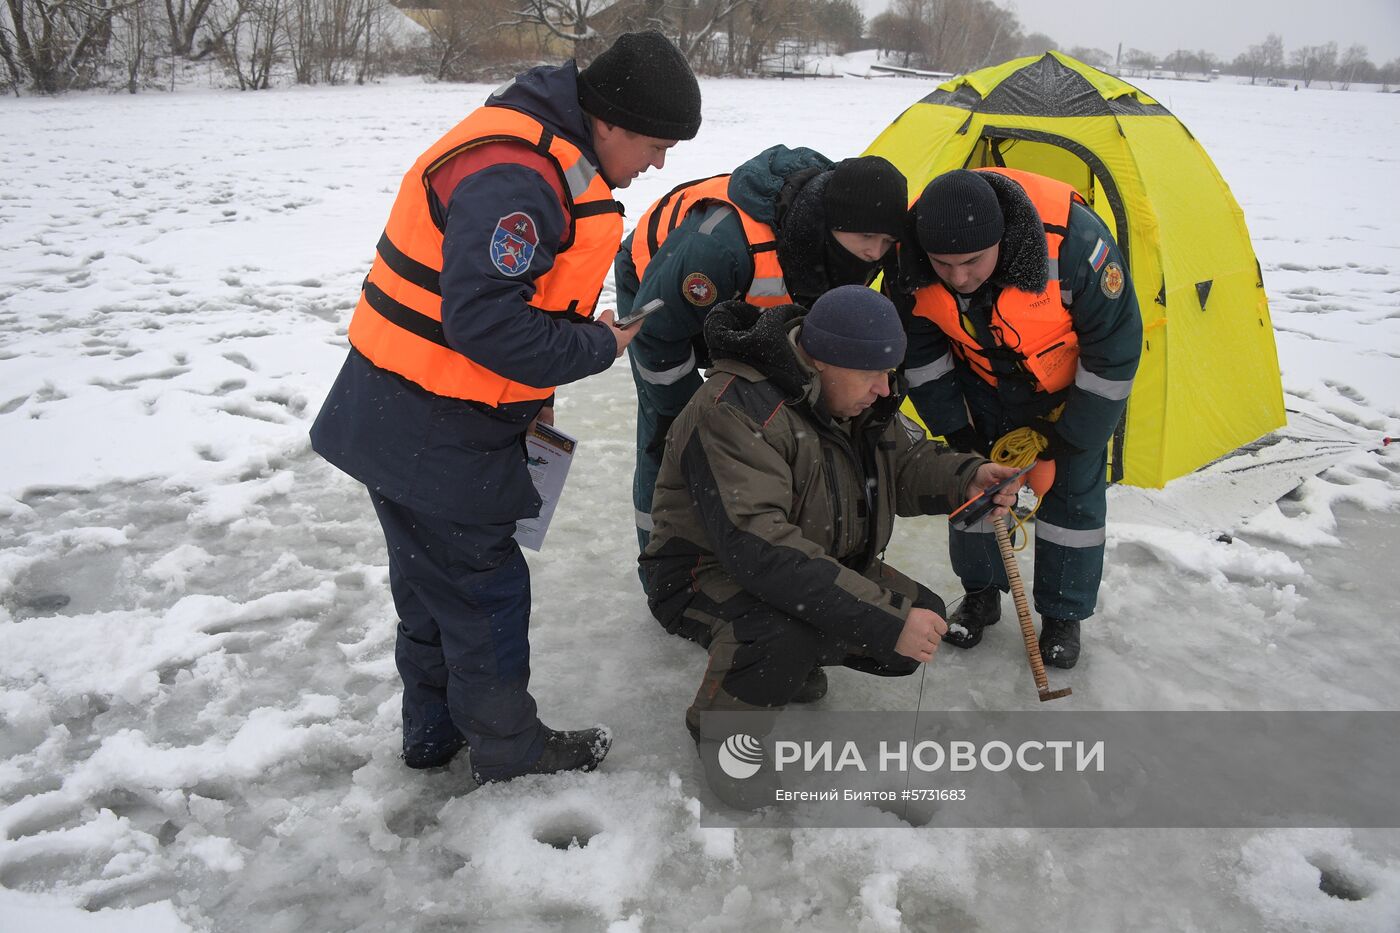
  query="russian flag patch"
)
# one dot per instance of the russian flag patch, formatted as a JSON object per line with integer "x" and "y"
{"x": 1099, "y": 256}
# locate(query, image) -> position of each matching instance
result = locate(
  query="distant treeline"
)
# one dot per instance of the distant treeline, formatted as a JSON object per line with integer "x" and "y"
{"x": 50, "y": 46}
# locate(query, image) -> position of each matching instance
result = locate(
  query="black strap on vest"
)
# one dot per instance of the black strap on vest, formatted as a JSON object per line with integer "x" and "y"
{"x": 408, "y": 268}
{"x": 594, "y": 208}
{"x": 401, "y": 315}
{"x": 654, "y": 226}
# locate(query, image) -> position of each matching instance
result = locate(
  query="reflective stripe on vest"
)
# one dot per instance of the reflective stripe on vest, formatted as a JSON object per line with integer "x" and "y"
{"x": 766, "y": 290}
{"x": 1036, "y": 327}
{"x": 398, "y": 321}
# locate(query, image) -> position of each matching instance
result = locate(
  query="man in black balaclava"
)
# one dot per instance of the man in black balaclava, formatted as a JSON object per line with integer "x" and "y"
{"x": 785, "y": 227}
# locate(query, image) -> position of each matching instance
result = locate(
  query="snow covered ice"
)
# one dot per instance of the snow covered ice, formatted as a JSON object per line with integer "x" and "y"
{"x": 197, "y": 689}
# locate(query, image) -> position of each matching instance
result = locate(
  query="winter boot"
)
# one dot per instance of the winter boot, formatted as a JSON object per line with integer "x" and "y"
{"x": 430, "y": 740}
{"x": 813, "y": 688}
{"x": 979, "y": 609}
{"x": 738, "y": 771}
{"x": 581, "y": 750}
{"x": 1059, "y": 642}
{"x": 433, "y": 754}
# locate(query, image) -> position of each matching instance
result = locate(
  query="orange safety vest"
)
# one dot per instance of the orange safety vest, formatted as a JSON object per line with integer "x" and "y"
{"x": 766, "y": 290}
{"x": 1036, "y": 327}
{"x": 398, "y": 321}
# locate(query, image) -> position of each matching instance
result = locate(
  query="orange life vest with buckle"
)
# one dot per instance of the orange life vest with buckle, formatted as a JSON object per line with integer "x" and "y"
{"x": 398, "y": 321}
{"x": 766, "y": 290}
{"x": 1035, "y": 327}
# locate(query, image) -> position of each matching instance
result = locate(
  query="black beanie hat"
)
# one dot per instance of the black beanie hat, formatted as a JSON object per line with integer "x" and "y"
{"x": 866, "y": 195}
{"x": 642, "y": 83}
{"x": 854, "y": 327}
{"x": 958, "y": 213}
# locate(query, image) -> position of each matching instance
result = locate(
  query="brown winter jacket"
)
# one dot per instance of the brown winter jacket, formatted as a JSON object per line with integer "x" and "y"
{"x": 761, "y": 491}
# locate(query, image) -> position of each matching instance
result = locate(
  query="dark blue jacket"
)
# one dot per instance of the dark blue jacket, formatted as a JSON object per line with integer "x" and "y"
{"x": 459, "y": 459}
{"x": 718, "y": 251}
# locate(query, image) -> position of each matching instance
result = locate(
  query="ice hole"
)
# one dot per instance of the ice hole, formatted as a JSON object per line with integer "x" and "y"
{"x": 567, "y": 831}
{"x": 1333, "y": 882}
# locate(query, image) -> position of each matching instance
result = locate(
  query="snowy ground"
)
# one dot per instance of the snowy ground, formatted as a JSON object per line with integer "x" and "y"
{"x": 197, "y": 691}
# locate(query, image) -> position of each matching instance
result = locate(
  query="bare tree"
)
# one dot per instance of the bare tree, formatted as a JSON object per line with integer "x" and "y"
{"x": 1354, "y": 66}
{"x": 1272, "y": 48}
{"x": 838, "y": 21}
{"x": 7, "y": 52}
{"x": 1314, "y": 62}
{"x": 185, "y": 17}
{"x": 458, "y": 32}
{"x": 567, "y": 20}
{"x": 1389, "y": 74}
{"x": 131, "y": 38}
{"x": 699, "y": 23}
{"x": 1036, "y": 43}
{"x": 327, "y": 39}
{"x": 1089, "y": 56}
{"x": 58, "y": 44}
{"x": 249, "y": 39}
{"x": 1138, "y": 60}
{"x": 1253, "y": 61}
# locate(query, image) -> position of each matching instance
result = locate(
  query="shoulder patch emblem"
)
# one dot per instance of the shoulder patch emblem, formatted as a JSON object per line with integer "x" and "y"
{"x": 912, "y": 428}
{"x": 1099, "y": 256}
{"x": 699, "y": 290}
{"x": 1112, "y": 280}
{"x": 513, "y": 243}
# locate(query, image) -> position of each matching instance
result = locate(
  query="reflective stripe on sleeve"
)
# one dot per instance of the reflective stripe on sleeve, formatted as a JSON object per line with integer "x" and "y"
{"x": 984, "y": 527}
{"x": 921, "y": 375}
{"x": 714, "y": 220}
{"x": 643, "y": 520}
{"x": 768, "y": 288}
{"x": 1112, "y": 389}
{"x": 666, "y": 377}
{"x": 579, "y": 176}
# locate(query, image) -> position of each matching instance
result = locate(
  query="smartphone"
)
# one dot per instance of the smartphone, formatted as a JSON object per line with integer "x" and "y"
{"x": 651, "y": 307}
{"x": 972, "y": 511}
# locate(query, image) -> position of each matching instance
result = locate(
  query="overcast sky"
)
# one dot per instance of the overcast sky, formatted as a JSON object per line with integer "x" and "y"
{"x": 1225, "y": 27}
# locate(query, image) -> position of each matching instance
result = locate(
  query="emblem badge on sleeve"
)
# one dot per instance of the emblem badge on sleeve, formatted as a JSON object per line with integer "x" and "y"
{"x": 698, "y": 289}
{"x": 513, "y": 243}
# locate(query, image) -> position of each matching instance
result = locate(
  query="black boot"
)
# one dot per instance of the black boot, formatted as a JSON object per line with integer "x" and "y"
{"x": 1059, "y": 642}
{"x": 813, "y": 688}
{"x": 581, "y": 750}
{"x": 979, "y": 609}
{"x": 433, "y": 754}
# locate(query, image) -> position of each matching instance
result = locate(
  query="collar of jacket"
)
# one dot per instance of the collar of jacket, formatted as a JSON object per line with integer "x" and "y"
{"x": 1024, "y": 261}
{"x": 549, "y": 93}
{"x": 763, "y": 340}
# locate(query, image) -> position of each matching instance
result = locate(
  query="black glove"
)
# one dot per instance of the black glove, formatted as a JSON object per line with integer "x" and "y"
{"x": 966, "y": 440}
{"x": 657, "y": 446}
{"x": 1057, "y": 448}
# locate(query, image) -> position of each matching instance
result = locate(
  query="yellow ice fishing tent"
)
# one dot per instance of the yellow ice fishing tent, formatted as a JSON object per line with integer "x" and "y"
{"x": 1209, "y": 377}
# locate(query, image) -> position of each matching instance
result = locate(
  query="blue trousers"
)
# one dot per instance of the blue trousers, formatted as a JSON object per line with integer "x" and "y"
{"x": 1069, "y": 542}
{"x": 462, "y": 593}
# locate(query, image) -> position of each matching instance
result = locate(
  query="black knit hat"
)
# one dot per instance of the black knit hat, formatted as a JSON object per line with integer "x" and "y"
{"x": 854, "y": 327}
{"x": 866, "y": 195}
{"x": 958, "y": 213}
{"x": 642, "y": 83}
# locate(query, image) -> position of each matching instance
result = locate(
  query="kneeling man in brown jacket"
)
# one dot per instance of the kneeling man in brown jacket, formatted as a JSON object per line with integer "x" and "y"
{"x": 777, "y": 496}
